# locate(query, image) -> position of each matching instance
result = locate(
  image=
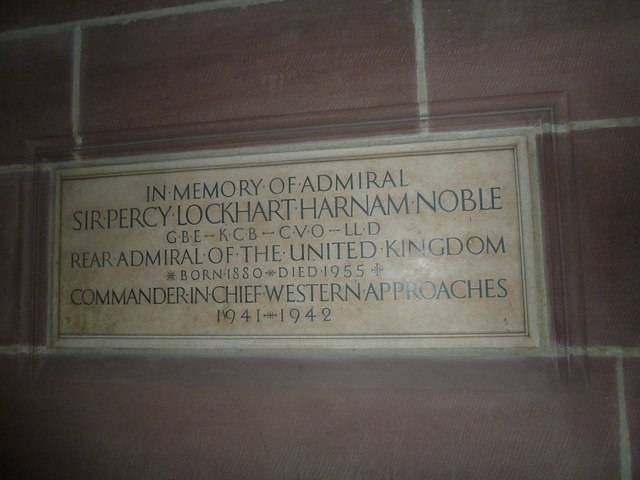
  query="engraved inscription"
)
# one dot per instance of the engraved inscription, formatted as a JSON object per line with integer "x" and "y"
{"x": 423, "y": 245}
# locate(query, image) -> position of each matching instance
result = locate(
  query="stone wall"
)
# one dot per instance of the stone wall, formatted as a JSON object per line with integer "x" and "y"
{"x": 102, "y": 77}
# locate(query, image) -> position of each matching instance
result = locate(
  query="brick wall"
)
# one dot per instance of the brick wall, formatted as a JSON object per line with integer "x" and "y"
{"x": 94, "y": 75}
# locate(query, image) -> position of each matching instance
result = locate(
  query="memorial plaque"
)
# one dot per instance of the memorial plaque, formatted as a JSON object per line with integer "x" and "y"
{"x": 412, "y": 245}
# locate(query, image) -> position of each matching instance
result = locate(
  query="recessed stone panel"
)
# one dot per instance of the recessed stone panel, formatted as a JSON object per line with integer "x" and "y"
{"x": 412, "y": 245}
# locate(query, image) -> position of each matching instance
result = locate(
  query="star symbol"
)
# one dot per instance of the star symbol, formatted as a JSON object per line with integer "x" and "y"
{"x": 377, "y": 269}
{"x": 171, "y": 275}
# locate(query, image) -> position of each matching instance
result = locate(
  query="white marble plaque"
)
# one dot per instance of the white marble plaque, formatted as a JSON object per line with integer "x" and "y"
{"x": 418, "y": 245}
